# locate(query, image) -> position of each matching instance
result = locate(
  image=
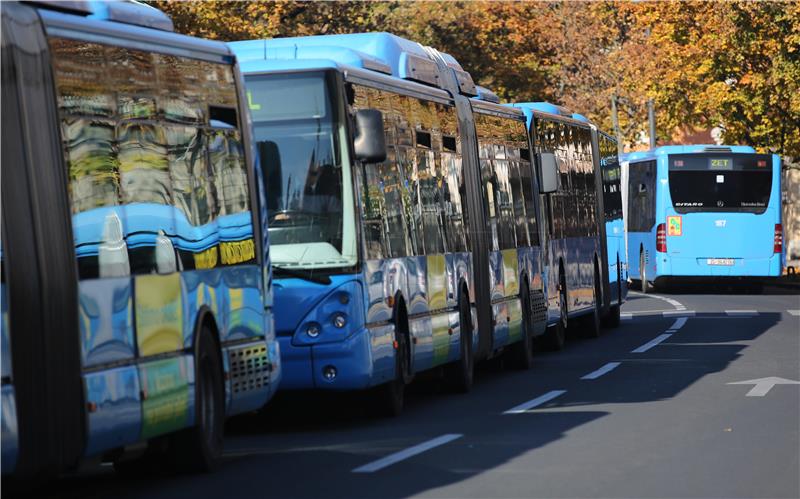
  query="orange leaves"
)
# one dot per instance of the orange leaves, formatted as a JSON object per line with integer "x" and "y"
{"x": 734, "y": 64}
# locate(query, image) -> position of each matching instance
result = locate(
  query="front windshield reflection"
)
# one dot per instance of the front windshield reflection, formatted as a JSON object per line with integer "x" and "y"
{"x": 309, "y": 203}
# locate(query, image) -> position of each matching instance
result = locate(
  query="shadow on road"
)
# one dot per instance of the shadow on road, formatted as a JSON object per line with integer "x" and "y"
{"x": 306, "y": 445}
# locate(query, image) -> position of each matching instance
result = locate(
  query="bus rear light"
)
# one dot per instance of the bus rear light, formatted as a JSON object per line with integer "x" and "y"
{"x": 661, "y": 238}
{"x": 777, "y": 246}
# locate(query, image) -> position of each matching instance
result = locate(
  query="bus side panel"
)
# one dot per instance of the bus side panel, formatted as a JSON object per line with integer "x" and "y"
{"x": 106, "y": 321}
{"x": 115, "y": 416}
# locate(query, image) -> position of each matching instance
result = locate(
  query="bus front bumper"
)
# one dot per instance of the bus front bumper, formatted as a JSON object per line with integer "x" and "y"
{"x": 352, "y": 364}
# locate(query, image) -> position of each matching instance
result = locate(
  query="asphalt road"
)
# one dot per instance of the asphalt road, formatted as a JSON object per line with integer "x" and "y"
{"x": 646, "y": 410}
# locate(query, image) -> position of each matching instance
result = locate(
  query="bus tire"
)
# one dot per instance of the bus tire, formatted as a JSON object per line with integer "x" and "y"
{"x": 556, "y": 335}
{"x": 199, "y": 448}
{"x": 591, "y": 323}
{"x": 461, "y": 373}
{"x": 390, "y": 397}
{"x": 612, "y": 318}
{"x": 521, "y": 352}
{"x": 646, "y": 288}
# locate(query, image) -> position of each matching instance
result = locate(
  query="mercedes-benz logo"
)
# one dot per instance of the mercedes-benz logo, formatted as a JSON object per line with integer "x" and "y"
{"x": 720, "y": 204}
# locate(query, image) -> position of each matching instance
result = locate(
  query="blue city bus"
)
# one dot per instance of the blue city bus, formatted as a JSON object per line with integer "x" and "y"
{"x": 617, "y": 253}
{"x": 703, "y": 212}
{"x": 577, "y": 258}
{"x": 423, "y": 255}
{"x": 136, "y": 294}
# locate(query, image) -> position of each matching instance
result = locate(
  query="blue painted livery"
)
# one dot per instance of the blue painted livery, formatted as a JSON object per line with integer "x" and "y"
{"x": 703, "y": 211}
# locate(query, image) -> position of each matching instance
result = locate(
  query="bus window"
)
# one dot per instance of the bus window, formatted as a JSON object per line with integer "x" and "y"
{"x": 149, "y": 166}
{"x": 720, "y": 182}
{"x": 642, "y": 196}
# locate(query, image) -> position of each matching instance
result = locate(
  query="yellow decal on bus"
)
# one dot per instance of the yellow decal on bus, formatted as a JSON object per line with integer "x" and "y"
{"x": 206, "y": 259}
{"x": 237, "y": 252}
{"x": 674, "y": 226}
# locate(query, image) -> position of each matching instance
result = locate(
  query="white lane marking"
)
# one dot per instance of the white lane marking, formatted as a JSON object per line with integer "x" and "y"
{"x": 650, "y": 344}
{"x": 603, "y": 370}
{"x": 677, "y": 313}
{"x": 739, "y": 313}
{"x": 794, "y": 312}
{"x": 407, "y": 453}
{"x": 526, "y": 406}
{"x": 675, "y": 303}
{"x": 679, "y": 323}
{"x": 626, "y": 316}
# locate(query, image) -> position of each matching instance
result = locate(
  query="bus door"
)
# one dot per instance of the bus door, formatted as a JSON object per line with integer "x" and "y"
{"x": 38, "y": 249}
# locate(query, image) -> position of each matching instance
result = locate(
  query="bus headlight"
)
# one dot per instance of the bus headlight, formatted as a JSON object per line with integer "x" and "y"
{"x": 339, "y": 320}
{"x": 313, "y": 330}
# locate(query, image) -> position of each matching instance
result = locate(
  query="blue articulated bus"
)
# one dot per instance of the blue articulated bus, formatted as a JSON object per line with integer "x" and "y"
{"x": 419, "y": 253}
{"x": 703, "y": 212}
{"x": 136, "y": 298}
{"x": 579, "y": 295}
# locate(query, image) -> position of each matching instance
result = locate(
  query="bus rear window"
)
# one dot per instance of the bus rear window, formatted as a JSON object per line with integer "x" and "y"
{"x": 720, "y": 182}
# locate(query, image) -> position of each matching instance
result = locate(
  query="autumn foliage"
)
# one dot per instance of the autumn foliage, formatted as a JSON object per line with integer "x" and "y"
{"x": 732, "y": 65}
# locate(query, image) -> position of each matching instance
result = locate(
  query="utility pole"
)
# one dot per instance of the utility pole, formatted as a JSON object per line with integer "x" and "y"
{"x": 651, "y": 117}
{"x": 615, "y": 122}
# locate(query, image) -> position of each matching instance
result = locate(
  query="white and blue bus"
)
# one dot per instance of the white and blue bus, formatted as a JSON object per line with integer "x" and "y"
{"x": 703, "y": 212}
{"x": 136, "y": 299}
{"x": 578, "y": 255}
{"x": 422, "y": 251}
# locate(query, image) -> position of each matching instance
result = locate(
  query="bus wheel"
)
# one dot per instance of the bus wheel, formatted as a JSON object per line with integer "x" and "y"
{"x": 198, "y": 449}
{"x": 522, "y": 351}
{"x": 556, "y": 335}
{"x": 459, "y": 374}
{"x": 612, "y": 317}
{"x": 592, "y": 322}
{"x": 390, "y": 397}
{"x": 646, "y": 288}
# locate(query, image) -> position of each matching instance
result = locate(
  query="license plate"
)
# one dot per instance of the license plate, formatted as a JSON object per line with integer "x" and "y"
{"x": 720, "y": 261}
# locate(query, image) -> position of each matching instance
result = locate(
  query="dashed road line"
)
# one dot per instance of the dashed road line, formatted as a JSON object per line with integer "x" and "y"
{"x": 407, "y": 453}
{"x": 526, "y": 406}
{"x": 650, "y": 344}
{"x": 794, "y": 312}
{"x": 741, "y": 313}
{"x": 626, "y": 316}
{"x": 679, "y": 313}
{"x": 603, "y": 370}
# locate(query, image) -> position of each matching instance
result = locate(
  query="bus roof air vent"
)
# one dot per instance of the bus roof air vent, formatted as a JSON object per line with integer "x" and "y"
{"x": 121, "y": 11}
{"x": 487, "y": 95}
{"x": 716, "y": 149}
{"x": 420, "y": 69}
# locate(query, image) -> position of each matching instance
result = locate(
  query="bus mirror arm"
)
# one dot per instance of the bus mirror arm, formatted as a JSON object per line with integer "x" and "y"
{"x": 370, "y": 143}
{"x": 548, "y": 172}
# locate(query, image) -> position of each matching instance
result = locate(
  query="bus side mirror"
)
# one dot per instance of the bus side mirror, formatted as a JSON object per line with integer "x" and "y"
{"x": 370, "y": 143}
{"x": 548, "y": 172}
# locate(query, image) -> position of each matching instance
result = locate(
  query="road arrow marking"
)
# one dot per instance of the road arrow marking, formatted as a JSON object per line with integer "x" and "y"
{"x": 764, "y": 385}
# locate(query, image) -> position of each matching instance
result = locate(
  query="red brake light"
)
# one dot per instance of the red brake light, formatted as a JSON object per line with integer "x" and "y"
{"x": 777, "y": 246}
{"x": 661, "y": 238}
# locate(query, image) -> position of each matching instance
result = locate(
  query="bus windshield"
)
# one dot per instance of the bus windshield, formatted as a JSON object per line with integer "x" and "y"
{"x": 299, "y": 134}
{"x": 720, "y": 182}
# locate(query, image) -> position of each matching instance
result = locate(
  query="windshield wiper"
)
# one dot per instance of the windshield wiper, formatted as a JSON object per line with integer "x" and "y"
{"x": 306, "y": 275}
